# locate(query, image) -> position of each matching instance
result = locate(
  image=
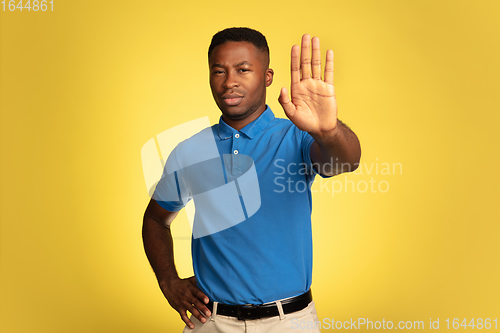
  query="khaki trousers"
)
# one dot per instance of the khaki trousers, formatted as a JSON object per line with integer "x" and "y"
{"x": 303, "y": 321}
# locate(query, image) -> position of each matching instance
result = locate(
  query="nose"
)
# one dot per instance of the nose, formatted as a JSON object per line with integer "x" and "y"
{"x": 231, "y": 80}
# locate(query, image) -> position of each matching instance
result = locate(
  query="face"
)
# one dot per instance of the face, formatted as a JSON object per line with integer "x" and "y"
{"x": 238, "y": 79}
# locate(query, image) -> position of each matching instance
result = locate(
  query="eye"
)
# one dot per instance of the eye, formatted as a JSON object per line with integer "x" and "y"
{"x": 243, "y": 70}
{"x": 216, "y": 72}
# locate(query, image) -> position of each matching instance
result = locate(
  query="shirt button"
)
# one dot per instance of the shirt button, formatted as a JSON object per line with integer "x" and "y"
{"x": 236, "y": 135}
{"x": 235, "y": 152}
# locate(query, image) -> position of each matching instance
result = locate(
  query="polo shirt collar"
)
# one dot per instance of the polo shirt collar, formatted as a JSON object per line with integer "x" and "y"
{"x": 250, "y": 130}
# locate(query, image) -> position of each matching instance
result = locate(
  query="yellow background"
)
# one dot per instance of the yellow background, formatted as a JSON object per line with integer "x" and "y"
{"x": 85, "y": 86}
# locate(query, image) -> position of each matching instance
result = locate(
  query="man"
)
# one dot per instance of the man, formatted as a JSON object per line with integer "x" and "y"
{"x": 256, "y": 273}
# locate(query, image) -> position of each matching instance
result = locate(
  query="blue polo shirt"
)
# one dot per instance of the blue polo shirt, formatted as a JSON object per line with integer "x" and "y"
{"x": 268, "y": 255}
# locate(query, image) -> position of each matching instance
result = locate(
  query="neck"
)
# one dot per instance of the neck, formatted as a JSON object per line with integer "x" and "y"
{"x": 238, "y": 124}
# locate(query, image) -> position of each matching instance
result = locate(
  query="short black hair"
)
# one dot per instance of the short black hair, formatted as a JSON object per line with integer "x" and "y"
{"x": 240, "y": 35}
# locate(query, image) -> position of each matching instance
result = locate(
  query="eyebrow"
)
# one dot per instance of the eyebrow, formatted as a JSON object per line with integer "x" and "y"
{"x": 236, "y": 65}
{"x": 243, "y": 63}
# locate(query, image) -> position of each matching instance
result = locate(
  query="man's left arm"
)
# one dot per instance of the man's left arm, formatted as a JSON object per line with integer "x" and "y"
{"x": 313, "y": 108}
{"x": 336, "y": 153}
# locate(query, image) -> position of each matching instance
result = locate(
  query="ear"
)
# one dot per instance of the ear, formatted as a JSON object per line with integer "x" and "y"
{"x": 269, "y": 76}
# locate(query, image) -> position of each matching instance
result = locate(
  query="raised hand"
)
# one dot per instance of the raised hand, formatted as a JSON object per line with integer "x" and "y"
{"x": 312, "y": 107}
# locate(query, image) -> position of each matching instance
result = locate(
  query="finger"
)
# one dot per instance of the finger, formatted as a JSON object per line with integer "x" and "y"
{"x": 316, "y": 59}
{"x": 196, "y": 291}
{"x": 199, "y": 303}
{"x": 295, "y": 65}
{"x": 285, "y": 102}
{"x": 186, "y": 306}
{"x": 185, "y": 319}
{"x": 197, "y": 313}
{"x": 203, "y": 309}
{"x": 194, "y": 310}
{"x": 305, "y": 57}
{"x": 201, "y": 296}
{"x": 329, "y": 67}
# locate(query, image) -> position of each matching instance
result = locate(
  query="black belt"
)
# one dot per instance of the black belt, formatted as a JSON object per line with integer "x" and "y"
{"x": 252, "y": 311}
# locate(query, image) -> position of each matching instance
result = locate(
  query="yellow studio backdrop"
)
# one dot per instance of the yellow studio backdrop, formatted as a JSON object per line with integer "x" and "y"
{"x": 411, "y": 236}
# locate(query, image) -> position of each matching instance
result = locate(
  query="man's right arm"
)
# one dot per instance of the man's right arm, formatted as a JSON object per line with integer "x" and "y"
{"x": 182, "y": 294}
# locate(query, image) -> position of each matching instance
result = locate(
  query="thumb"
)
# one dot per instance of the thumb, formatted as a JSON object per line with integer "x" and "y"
{"x": 284, "y": 100}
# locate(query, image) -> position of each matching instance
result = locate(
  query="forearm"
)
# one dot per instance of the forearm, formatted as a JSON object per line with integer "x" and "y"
{"x": 182, "y": 294}
{"x": 159, "y": 248}
{"x": 336, "y": 152}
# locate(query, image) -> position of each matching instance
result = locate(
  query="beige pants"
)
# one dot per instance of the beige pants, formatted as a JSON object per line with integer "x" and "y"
{"x": 305, "y": 320}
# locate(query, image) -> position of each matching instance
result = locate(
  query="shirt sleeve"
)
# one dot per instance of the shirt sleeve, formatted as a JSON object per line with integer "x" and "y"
{"x": 170, "y": 192}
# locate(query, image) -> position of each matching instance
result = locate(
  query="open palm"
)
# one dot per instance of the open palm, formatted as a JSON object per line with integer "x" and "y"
{"x": 312, "y": 107}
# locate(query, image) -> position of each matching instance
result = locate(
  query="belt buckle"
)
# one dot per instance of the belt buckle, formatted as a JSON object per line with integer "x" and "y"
{"x": 248, "y": 311}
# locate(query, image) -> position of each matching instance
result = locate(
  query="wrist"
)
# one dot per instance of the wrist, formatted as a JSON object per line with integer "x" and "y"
{"x": 324, "y": 138}
{"x": 169, "y": 280}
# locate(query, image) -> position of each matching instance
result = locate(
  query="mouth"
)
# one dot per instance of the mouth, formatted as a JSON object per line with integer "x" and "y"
{"x": 232, "y": 99}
